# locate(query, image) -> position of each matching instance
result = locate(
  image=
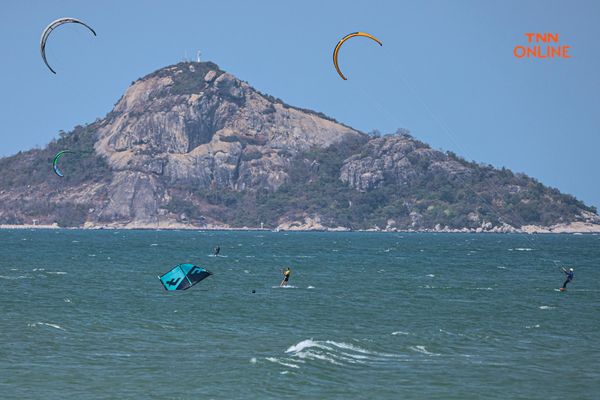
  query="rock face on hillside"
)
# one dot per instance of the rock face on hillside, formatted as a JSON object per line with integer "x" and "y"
{"x": 390, "y": 159}
{"x": 192, "y": 124}
{"x": 190, "y": 145}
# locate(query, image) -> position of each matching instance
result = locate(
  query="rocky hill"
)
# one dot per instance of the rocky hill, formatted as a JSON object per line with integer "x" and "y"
{"x": 192, "y": 146}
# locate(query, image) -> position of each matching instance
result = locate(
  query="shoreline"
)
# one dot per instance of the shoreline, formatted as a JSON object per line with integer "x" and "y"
{"x": 577, "y": 228}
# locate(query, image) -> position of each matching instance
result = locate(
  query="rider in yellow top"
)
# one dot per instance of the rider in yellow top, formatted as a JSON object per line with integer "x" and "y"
{"x": 286, "y": 277}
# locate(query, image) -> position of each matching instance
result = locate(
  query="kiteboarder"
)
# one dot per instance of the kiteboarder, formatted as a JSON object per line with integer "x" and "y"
{"x": 286, "y": 277}
{"x": 569, "y": 274}
{"x": 217, "y": 250}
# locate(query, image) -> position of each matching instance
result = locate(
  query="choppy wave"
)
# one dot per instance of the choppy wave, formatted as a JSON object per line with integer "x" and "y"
{"x": 285, "y": 364}
{"x": 400, "y": 333}
{"x": 330, "y": 352}
{"x": 111, "y": 354}
{"x": 547, "y": 308}
{"x": 423, "y": 350}
{"x": 13, "y": 277}
{"x": 55, "y": 326}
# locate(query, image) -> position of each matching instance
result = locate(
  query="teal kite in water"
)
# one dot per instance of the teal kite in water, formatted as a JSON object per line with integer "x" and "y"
{"x": 183, "y": 276}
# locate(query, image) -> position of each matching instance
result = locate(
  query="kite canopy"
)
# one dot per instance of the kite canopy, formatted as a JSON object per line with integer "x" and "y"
{"x": 183, "y": 276}
{"x": 50, "y": 28}
{"x": 55, "y": 162}
{"x": 341, "y": 42}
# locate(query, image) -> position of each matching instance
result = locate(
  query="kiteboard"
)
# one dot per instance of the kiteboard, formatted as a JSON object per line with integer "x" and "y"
{"x": 562, "y": 290}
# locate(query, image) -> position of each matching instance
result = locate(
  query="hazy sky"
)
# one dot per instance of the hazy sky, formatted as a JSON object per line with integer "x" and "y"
{"x": 446, "y": 70}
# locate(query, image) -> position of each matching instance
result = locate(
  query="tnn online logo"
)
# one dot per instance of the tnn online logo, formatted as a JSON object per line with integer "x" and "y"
{"x": 542, "y": 45}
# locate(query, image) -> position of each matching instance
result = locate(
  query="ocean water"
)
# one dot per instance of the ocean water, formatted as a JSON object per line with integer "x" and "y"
{"x": 367, "y": 316}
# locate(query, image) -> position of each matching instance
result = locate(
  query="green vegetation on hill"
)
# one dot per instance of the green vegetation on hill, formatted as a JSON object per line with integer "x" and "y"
{"x": 33, "y": 170}
{"x": 314, "y": 188}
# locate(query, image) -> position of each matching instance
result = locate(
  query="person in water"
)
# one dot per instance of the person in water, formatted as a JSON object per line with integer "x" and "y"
{"x": 286, "y": 277}
{"x": 569, "y": 274}
{"x": 217, "y": 250}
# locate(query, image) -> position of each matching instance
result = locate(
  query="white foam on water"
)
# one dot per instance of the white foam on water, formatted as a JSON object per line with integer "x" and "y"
{"x": 154, "y": 244}
{"x": 91, "y": 255}
{"x": 74, "y": 241}
{"x": 337, "y": 353}
{"x": 12, "y": 277}
{"x": 55, "y": 326}
{"x": 246, "y": 271}
{"x": 112, "y": 354}
{"x": 423, "y": 350}
{"x": 501, "y": 267}
{"x": 56, "y": 272}
{"x": 39, "y": 269}
{"x": 532, "y": 326}
{"x": 521, "y": 249}
{"x": 284, "y": 372}
{"x": 14, "y": 269}
{"x": 431, "y": 275}
{"x": 310, "y": 287}
{"x": 67, "y": 300}
{"x": 347, "y": 346}
{"x": 285, "y": 287}
{"x": 400, "y": 333}
{"x": 278, "y": 361}
{"x": 306, "y": 344}
{"x": 546, "y": 308}
{"x": 317, "y": 356}
{"x": 355, "y": 357}
{"x": 253, "y": 360}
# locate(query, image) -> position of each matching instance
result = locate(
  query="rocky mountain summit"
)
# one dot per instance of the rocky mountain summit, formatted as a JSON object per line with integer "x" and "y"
{"x": 192, "y": 146}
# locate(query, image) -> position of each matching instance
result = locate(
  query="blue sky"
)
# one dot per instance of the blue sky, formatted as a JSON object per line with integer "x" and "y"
{"x": 446, "y": 70}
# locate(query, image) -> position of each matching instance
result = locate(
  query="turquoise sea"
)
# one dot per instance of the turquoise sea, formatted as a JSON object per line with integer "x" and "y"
{"x": 367, "y": 316}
